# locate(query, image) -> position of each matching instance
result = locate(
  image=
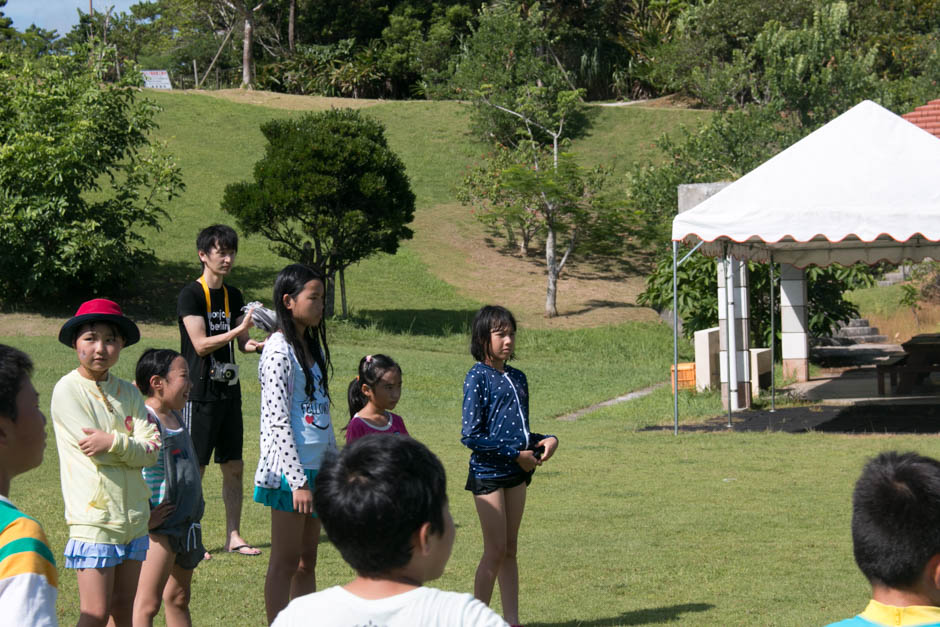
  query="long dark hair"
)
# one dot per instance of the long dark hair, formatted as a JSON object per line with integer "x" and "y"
{"x": 371, "y": 370}
{"x": 291, "y": 281}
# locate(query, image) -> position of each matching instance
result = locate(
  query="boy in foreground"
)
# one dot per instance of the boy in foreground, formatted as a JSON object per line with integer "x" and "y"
{"x": 383, "y": 503}
{"x": 896, "y": 538}
{"x": 28, "y": 578}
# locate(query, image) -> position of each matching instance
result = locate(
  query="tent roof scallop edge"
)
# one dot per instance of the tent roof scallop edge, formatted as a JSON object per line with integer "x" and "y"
{"x": 863, "y": 188}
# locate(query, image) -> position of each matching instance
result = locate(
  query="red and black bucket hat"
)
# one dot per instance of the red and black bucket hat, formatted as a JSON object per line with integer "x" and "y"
{"x": 100, "y": 310}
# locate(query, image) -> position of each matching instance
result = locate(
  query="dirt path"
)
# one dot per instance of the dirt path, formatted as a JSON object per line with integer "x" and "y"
{"x": 456, "y": 249}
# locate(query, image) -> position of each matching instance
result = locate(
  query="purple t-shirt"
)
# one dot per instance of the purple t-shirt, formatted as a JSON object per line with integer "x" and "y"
{"x": 358, "y": 427}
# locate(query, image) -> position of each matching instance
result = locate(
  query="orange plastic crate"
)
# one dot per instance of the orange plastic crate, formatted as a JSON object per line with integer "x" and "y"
{"x": 686, "y": 376}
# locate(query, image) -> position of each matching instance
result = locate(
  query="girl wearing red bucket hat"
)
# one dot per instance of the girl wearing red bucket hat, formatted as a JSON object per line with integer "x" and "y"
{"x": 104, "y": 438}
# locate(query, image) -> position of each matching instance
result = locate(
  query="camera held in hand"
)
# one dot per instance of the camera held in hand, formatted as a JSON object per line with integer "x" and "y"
{"x": 223, "y": 372}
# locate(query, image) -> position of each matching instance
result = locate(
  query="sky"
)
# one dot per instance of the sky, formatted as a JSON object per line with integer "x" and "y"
{"x": 59, "y": 15}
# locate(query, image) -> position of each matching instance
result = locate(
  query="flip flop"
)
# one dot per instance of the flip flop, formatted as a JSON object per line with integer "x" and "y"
{"x": 245, "y": 549}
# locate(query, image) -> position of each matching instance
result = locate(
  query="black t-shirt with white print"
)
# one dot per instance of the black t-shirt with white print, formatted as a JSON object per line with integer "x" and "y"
{"x": 192, "y": 302}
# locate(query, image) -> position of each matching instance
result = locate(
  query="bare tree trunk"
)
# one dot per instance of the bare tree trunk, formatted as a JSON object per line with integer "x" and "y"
{"x": 291, "y": 22}
{"x": 329, "y": 299}
{"x": 215, "y": 58}
{"x": 247, "y": 50}
{"x": 550, "y": 310}
{"x": 342, "y": 291}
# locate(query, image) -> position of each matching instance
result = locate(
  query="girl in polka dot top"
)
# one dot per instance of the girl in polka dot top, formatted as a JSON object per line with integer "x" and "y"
{"x": 296, "y": 432}
{"x": 505, "y": 453}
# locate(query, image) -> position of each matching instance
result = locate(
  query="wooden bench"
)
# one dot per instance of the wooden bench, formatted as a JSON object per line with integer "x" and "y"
{"x": 890, "y": 366}
{"x": 908, "y": 374}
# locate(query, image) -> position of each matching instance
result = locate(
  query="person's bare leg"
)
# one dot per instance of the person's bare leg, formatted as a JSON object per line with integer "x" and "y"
{"x": 304, "y": 580}
{"x": 126, "y": 575}
{"x": 176, "y": 596}
{"x": 202, "y": 475}
{"x": 232, "y": 495}
{"x": 491, "y": 509}
{"x": 514, "y": 500}
{"x": 287, "y": 533}
{"x": 95, "y": 587}
{"x": 153, "y": 576}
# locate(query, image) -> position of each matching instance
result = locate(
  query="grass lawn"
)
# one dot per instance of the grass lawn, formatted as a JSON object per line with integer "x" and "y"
{"x": 624, "y": 526}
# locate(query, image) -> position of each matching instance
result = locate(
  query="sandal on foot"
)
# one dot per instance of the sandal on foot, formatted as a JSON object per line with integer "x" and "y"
{"x": 245, "y": 549}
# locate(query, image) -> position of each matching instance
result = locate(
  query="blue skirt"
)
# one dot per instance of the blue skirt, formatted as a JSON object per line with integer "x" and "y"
{"x": 80, "y": 554}
{"x": 282, "y": 498}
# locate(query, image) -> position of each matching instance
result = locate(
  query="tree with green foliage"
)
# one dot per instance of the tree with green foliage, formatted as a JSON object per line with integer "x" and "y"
{"x": 797, "y": 80}
{"x": 543, "y": 190}
{"x": 506, "y": 59}
{"x": 328, "y": 192}
{"x": 697, "y": 295}
{"x": 79, "y": 178}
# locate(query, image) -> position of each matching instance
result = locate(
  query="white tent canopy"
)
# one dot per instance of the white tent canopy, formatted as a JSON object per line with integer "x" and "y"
{"x": 865, "y": 187}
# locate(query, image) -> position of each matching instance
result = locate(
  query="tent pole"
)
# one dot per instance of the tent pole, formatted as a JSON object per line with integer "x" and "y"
{"x": 729, "y": 333}
{"x": 675, "y": 340}
{"x": 773, "y": 341}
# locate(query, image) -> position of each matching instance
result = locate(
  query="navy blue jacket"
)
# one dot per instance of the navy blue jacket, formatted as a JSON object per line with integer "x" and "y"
{"x": 496, "y": 420}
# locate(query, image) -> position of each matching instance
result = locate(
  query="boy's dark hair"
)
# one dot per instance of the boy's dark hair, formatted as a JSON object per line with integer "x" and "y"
{"x": 153, "y": 361}
{"x": 374, "y": 495}
{"x": 490, "y": 318}
{"x": 219, "y": 236}
{"x": 15, "y": 366}
{"x": 896, "y": 517}
{"x": 371, "y": 370}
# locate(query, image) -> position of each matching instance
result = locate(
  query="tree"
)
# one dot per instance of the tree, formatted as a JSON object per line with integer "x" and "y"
{"x": 798, "y": 79}
{"x": 328, "y": 192}
{"x": 79, "y": 178}
{"x": 697, "y": 295}
{"x": 507, "y": 57}
{"x": 543, "y": 188}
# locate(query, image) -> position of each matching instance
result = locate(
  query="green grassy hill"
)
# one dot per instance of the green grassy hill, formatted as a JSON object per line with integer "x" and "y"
{"x": 217, "y": 142}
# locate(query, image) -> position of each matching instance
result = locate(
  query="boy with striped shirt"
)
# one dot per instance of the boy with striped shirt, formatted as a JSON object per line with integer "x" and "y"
{"x": 28, "y": 578}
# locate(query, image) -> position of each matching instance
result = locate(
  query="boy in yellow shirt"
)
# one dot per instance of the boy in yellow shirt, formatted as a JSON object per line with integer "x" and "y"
{"x": 896, "y": 539}
{"x": 28, "y": 578}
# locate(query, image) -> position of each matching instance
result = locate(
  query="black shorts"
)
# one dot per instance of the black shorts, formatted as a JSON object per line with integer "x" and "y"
{"x": 186, "y": 543}
{"x": 216, "y": 425}
{"x": 485, "y": 486}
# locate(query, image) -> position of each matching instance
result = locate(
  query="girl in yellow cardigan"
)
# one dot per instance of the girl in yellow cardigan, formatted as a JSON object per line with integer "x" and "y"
{"x": 104, "y": 438}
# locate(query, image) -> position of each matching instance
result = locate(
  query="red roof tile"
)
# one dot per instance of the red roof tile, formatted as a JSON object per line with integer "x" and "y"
{"x": 926, "y": 117}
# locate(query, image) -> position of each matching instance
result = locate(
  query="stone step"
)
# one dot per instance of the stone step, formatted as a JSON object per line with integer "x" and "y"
{"x": 856, "y": 322}
{"x": 857, "y": 332}
{"x": 871, "y": 339}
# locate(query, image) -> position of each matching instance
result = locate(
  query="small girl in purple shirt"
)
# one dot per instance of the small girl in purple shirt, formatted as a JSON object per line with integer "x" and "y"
{"x": 372, "y": 395}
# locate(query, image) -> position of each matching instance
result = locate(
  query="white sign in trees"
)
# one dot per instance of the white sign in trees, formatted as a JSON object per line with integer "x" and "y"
{"x": 156, "y": 79}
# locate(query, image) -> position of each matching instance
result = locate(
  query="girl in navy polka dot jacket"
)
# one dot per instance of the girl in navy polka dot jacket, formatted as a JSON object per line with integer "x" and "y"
{"x": 505, "y": 453}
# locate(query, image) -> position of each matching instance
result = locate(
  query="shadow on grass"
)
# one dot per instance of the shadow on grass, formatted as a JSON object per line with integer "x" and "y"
{"x": 594, "y": 304}
{"x": 153, "y": 297}
{"x": 651, "y": 616}
{"x": 859, "y": 419}
{"x": 433, "y": 322}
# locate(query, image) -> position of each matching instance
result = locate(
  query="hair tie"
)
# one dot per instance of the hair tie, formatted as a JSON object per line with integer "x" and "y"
{"x": 357, "y": 377}
{"x": 368, "y": 359}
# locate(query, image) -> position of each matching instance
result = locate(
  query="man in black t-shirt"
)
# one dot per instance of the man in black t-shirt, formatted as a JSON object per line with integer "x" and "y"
{"x": 210, "y": 322}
